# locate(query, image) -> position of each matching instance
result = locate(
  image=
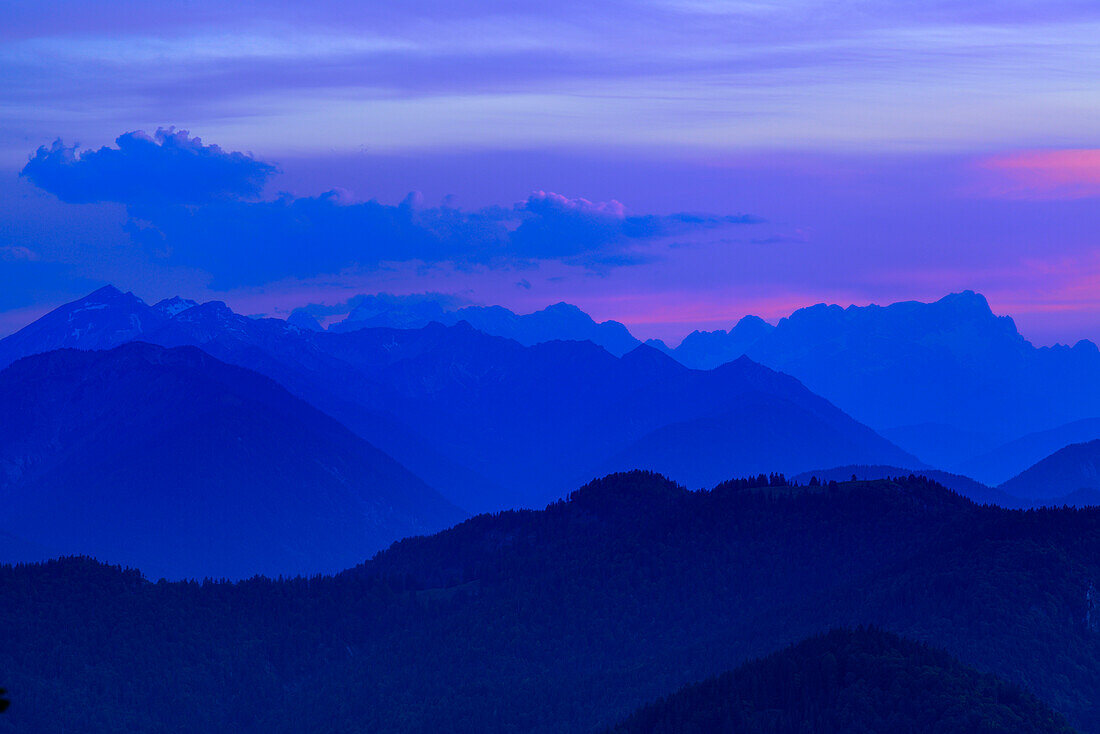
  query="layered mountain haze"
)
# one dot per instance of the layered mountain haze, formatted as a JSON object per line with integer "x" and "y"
{"x": 948, "y": 380}
{"x": 1007, "y": 460}
{"x": 483, "y": 371}
{"x": 272, "y": 347}
{"x": 920, "y": 371}
{"x": 746, "y": 416}
{"x": 707, "y": 349}
{"x": 174, "y": 462}
{"x": 561, "y": 321}
{"x": 494, "y": 424}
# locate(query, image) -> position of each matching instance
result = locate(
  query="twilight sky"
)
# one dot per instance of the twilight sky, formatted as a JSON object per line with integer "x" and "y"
{"x": 671, "y": 164}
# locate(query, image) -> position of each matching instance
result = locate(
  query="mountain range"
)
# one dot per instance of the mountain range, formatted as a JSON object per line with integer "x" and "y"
{"x": 951, "y": 363}
{"x": 170, "y": 460}
{"x": 949, "y": 381}
{"x": 561, "y": 321}
{"x": 492, "y": 423}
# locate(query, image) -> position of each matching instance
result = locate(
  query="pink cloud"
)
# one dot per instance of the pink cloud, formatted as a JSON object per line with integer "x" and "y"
{"x": 1042, "y": 174}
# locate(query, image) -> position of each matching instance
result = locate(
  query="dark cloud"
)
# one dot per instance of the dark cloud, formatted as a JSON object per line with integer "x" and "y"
{"x": 166, "y": 167}
{"x": 195, "y": 205}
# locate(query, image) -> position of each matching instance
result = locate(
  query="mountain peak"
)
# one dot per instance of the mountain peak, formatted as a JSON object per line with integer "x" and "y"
{"x": 107, "y": 295}
{"x": 213, "y": 308}
{"x": 567, "y": 313}
{"x": 304, "y": 320}
{"x": 751, "y": 320}
{"x": 107, "y": 291}
{"x": 966, "y": 301}
{"x": 563, "y": 308}
{"x": 174, "y": 305}
{"x": 649, "y": 357}
{"x": 102, "y": 319}
{"x": 625, "y": 492}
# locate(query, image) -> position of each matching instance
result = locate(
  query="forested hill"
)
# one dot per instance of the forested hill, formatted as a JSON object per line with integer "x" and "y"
{"x": 845, "y": 681}
{"x": 561, "y": 620}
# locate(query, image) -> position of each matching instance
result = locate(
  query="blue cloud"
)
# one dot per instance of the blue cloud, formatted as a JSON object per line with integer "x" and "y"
{"x": 169, "y": 166}
{"x": 197, "y": 205}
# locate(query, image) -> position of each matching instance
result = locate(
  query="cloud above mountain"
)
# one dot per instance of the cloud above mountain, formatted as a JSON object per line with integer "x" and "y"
{"x": 168, "y": 166}
{"x": 198, "y": 205}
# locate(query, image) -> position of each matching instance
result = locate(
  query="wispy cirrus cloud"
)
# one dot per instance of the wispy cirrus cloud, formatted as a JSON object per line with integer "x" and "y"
{"x": 714, "y": 76}
{"x": 198, "y": 205}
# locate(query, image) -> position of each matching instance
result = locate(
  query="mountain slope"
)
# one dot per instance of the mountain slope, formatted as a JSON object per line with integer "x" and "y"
{"x": 175, "y": 462}
{"x": 709, "y": 349}
{"x": 1007, "y": 460}
{"x": 950, "y": 362}
{"x": 101, "y": 320}
{"x": 320, "y": 370}
{"x": 757, "y": 432}
{"x": 1068, "y": 470}
{"x": 493, "y": 424}
{"x": 864, "y": 680}
{"x": 561, "y": 321}
{"x": 539, "y": 419}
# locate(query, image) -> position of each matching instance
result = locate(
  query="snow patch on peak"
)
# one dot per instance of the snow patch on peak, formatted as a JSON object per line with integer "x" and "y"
{"x": 174, "y": 305}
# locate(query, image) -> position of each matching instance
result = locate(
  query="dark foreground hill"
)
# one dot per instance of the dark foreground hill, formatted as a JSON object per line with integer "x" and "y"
{"x": 845, "y": 681}
{"x": 185, "y": 466}
{"x": 562, "y": 620}
{"x": 967, "y": 487}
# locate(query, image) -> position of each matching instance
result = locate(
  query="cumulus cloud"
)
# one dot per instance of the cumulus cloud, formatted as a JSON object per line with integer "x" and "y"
{"x": 558, "y": 227}
{"x": 168, "y": 166}
{"x": 197, "y": 205}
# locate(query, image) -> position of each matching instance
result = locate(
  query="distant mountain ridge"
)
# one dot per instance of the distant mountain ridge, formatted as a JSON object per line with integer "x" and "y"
{"x": 173, "y": 461}
{"x": 949, "y": 380}
{"x": 1006, "y": 461}
{"x": 950, "y": 362}
{"x": 494, "y": 424}
{"x": 560, "y": 321}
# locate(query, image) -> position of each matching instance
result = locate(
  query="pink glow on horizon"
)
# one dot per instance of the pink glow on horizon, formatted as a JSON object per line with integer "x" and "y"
{"x": 1044, "y": 174}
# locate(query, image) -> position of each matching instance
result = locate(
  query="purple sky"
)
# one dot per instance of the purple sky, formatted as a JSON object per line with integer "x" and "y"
{"x": 670, "y": 164}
